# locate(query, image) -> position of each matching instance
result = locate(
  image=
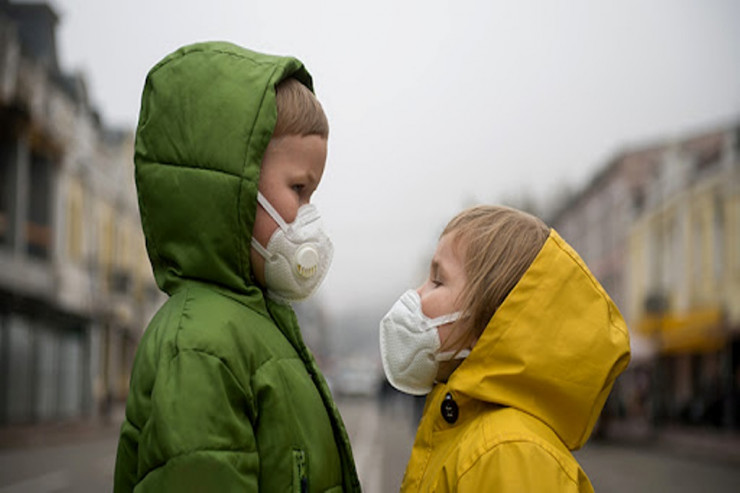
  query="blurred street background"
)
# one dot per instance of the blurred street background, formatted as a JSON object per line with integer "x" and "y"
{"x": 624, "y": 137}
{"x": 79, "y": 457}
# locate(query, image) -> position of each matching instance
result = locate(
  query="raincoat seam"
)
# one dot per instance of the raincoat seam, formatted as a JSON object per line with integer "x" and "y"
{"x": 179, "y": 350}
{"x": 192, "y": 452}
{"x": 127, "y": 420}
{"x": 226, "y": 292}
{"x": 501, "y": 443}
{"x": 599, "y": 288}
{"x": 149, "y": 239}
{"x": 199, "y": 168}
{"x": 190, "y": 50}
{"x": 275, "y": 360}
{"x": 217, "y": 357}
{"x": 429, "y": 446}
{"x": 186, "y": 299}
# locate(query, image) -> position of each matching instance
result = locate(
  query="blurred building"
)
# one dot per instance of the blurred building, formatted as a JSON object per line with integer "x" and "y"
{"x": 660, "y": 227}
{"x": 597, "y": 220}
{"x": 76, "y": 287}
{"x": 685, "y": 278}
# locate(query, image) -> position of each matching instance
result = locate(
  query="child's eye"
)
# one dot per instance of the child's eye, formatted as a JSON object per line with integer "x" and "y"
{"x": 298, "y": 188}
{"x": 437, "y": 283}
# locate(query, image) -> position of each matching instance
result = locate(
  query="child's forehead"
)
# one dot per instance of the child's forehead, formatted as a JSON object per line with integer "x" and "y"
{"x": 453, "y": 242}
{"x": 294, "y": 171}
{"x": 450, "y": 249}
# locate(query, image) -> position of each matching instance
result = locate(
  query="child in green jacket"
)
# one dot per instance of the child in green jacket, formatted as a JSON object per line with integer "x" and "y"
{"x": 224, "y": 394}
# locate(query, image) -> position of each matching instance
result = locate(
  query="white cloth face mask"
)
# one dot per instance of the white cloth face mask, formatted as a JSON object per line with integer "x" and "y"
{"x": 298, "y": 255}
{"x": 409, "y": 345}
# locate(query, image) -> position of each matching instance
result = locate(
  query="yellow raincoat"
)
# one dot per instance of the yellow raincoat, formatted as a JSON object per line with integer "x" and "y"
{"x": 530, "y": 391}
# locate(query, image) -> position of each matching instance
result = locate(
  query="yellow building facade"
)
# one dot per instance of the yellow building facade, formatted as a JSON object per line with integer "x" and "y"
{"x": 684, "y": 276}
{"x": 76, "y": 287}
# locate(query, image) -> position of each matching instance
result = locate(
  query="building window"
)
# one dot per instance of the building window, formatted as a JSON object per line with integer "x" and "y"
{"x": 38, "y": 226}
{"x": 638, "y": 201}
{"x": 708, "y": 157}
{"x": 7, "y": 191}
{"x": 718, "y": 238}
{"x": 106, "y": 240}
{"x": 19, "y": 379}
{"x": 121, "y": 276}
{"x": 697, "y": 255}
{"x": 735, "y": 250}
{"x": 654, "y": 275}
{"x": 74, "y": 222}
{"x": 670, "y": 244}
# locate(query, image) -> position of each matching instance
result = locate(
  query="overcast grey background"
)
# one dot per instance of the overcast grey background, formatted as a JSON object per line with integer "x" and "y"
{"x": 436, "y": 105}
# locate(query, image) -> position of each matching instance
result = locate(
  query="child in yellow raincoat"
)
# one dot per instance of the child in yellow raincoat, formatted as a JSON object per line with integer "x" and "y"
{"x": 517, "y": 345}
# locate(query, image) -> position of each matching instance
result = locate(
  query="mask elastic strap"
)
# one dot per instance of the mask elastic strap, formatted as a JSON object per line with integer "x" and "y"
{"x": 444, "y": 319}
{"x": 450, "y": 355}
{"x": 260, "y": 249}
{"x": 271, "y": 211}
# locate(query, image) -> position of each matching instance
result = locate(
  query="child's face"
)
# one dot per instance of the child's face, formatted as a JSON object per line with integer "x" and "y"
{"x": 292, "y": 168}
{"x": 440, "y": 292}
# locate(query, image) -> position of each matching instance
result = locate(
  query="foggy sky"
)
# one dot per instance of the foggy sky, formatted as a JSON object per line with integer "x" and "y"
{"x": 436, "y": 105}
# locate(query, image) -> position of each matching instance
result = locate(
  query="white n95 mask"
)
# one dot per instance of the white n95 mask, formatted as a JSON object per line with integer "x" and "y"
{"x": 298, "y": 255}
{"x": 410, "y": 344}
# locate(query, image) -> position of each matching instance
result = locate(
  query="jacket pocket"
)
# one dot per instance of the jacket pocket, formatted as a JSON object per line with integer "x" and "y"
{"x": 300, "y": 471}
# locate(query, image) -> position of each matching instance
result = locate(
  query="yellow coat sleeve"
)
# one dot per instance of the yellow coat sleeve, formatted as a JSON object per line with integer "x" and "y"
{"x": 519, "y": 466}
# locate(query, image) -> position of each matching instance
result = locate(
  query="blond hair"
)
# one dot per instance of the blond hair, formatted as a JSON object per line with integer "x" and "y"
{"x": 497, "y": 244}
{"x": 298, "y": 111}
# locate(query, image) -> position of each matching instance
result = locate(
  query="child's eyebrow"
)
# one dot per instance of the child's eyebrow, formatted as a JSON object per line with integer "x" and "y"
{"x": 437, "y": 269}
{"x": 306, "y": 175}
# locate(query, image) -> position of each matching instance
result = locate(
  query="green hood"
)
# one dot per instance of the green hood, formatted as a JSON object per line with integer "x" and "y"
{"x": 207, "y": 114}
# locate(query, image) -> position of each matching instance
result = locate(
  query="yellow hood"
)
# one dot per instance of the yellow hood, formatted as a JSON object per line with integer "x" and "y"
{"x": 553, "y": 348}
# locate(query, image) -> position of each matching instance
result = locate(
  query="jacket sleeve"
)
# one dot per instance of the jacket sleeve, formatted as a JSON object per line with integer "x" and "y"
{"x": 519, "y": 467}
{"x": 199, "y": 436}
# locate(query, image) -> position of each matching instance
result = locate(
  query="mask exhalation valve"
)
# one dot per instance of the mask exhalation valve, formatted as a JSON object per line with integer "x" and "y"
{"x": 307, "y": 261}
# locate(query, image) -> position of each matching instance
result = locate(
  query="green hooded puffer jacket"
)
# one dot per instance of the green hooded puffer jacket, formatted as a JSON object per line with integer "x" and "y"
{"x": 224, "y": 394}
